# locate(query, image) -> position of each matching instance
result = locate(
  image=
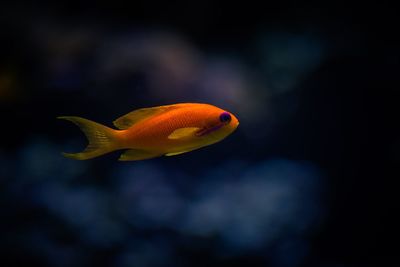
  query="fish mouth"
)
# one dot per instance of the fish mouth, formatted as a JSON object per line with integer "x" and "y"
{"x": 208, "y": 130}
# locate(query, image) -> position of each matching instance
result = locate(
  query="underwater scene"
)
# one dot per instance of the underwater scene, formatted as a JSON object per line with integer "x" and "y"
{"x": 198, "y": 134}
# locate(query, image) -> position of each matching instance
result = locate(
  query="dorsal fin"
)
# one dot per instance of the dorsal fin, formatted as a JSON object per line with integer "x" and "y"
{"x": 135, "y": 116}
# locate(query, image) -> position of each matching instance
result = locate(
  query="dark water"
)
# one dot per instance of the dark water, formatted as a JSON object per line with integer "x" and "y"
{"x": 308, "y": 179}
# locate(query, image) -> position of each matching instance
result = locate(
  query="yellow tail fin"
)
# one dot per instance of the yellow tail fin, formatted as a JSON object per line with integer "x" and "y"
{"x": 101, "y": 138}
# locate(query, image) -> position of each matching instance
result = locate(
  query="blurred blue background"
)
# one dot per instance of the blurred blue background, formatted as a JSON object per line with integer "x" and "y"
{"x": 308, "y": 179}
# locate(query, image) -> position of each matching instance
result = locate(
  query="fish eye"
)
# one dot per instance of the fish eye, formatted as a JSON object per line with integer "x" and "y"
{"x": 225, "y": 117}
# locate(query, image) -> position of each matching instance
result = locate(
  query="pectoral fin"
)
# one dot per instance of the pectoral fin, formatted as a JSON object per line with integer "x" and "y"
{"x": 183, "y": 132}
{"x": 136, "y": 154}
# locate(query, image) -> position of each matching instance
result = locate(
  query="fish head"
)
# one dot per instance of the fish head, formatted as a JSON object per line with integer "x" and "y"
{"x": 218, "y": 125}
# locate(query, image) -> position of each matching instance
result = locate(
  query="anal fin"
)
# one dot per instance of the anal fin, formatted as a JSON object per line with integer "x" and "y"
{"x": 137, "y": 154}
{"x": 177, "y": 153}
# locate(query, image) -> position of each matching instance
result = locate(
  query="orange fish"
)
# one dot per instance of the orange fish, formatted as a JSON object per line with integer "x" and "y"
{"x": 152, "y": 132}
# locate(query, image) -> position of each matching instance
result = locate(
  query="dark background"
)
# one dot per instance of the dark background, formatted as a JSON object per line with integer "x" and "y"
{"x": 308, "y": 179}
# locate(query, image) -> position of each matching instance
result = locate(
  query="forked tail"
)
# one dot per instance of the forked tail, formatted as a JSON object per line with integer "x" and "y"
{"x": 101, "y": 139}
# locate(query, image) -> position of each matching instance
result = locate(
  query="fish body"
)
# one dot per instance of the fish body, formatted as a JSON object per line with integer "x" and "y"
{"x": 152, "y": 132}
